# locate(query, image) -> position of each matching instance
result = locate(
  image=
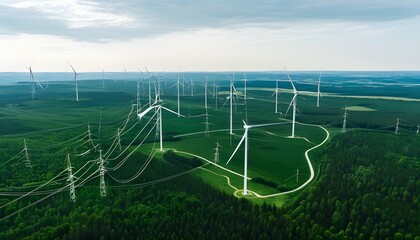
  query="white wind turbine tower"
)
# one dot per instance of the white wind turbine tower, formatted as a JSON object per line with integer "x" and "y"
{"x": 206, "y": 131}
{"x": 245, "y": 105}
{"x": 34, "y": 81}
{"x": 150, "y": 89}
{"x": 319, "y": 92}
{"x": 293, "y": 102}
{"x": 245, "y": 139}
{"x": 215, "y": 94}
{"x": 138, "y": 103}
{"x": 157, "y": 105}
{"x": 75, "y": 79}
{"x": 344, "y": 128}
{"x": 178, "y": 83}
{"x": 230, "y": 98}
{"x": 276, "y": 93}
{"x": 177, "y": 88}
{"x": 245, "y": 81}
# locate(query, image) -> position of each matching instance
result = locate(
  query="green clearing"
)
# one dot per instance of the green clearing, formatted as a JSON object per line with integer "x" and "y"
{"x": 360, "y": 109}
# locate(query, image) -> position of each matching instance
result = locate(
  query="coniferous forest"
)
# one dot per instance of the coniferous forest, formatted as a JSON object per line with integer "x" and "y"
{"x": 368, "y": 188}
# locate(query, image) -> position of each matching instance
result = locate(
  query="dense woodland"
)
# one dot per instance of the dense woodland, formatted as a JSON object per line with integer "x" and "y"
{"x": 369, "y": 188}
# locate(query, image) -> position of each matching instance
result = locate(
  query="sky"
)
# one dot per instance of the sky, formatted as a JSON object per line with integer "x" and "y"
{"x": 212, "y": 35}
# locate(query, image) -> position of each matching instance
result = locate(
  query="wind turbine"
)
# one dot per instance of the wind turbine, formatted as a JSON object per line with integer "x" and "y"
{"x": 230, "y": 98}
{"x": 276, "y": 92}
{"x": 34, "y": 81}
{"x": 157, "y": 105}
{"x": 245, "y": 81}
{"x": 319, "y": 92}
{"x": 293, "y": 102}
{"x": 215, "y": 94}
{"x": 138, "y": 103}
{"x": 150, "y": 91}
{"x": 177, "y": 88}
{"x": 245, "y": 139}
{"x": 245, "y": 105}
{"x": 75, "y": 79}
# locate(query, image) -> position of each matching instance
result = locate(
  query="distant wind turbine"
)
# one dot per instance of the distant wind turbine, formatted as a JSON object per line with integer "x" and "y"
{"x": 319, "y": 92}
{"x": 75, "y": 79}
{"x": 230, "y": 98}
{"x": 293, "y": 102}
{"x": 276, "y": 93}
{"x": 33, "y": 81}
{"x": 245, "y": 81}
{"x": 178, "y": 86}
{"x": 138, "y": 104}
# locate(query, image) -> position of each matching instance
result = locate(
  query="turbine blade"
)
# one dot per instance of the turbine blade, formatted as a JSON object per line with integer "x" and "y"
{"x": 173, "y": 85}
{"x": 72, "y": 68}
{"x": 227, "y": 99}
{"x": 297, "y": 109}
{"x": 291, "y": 102}
{"x": 228, "y": 77}
{"x": 234, "y": 88}
{"x": 294, "y": 89}
{"x": 319, "y": 79}
{"x": 239, "y": 144}
{"x": 169, "y": 110}
{"x": 140, "y": 115}
{"x": 264, "y": 125}
{"x": 38, "y": 83}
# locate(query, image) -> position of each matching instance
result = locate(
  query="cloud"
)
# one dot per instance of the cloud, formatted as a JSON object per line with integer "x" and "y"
{"x": 111, "y": 20}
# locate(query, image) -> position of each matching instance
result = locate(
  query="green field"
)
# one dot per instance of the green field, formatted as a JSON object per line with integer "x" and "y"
{"x": 54, "y": 125}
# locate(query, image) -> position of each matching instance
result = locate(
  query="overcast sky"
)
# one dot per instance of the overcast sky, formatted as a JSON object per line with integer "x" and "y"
{"x": 212, "y": 35}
